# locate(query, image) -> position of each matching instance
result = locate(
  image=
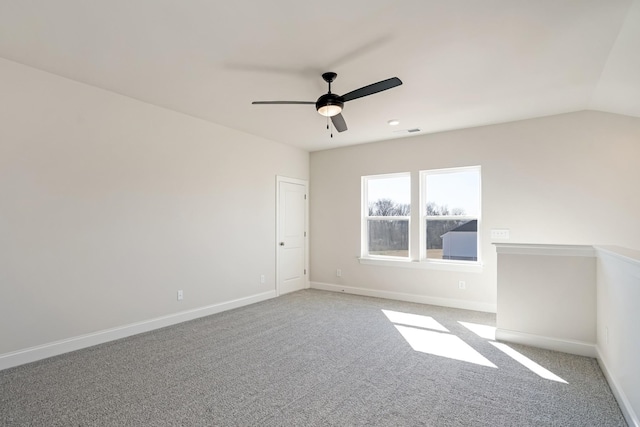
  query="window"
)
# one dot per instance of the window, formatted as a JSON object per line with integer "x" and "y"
{"x": 446, "y": 235}
{"x": 450, "y": 203}
{"x": 386, "y": 208}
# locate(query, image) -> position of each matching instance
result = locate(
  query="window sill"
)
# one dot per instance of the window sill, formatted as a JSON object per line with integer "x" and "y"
{"x": 470, "y": 267}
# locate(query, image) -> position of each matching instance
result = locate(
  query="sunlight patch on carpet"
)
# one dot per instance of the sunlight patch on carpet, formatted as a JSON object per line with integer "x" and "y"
{"x": 528, "y": 363}
{"x": 416, "y": 320}
{"x": 483, "y": 331}
{"x": 442, "y": 344}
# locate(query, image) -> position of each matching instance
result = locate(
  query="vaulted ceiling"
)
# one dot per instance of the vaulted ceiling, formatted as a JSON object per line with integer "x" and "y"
{"x": 464, "y": 63}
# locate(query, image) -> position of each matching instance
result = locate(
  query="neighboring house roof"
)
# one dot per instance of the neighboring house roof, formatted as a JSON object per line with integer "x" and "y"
{"x": 467, "y": 226}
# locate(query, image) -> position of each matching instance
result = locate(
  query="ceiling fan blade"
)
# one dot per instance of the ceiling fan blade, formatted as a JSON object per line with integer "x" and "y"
{"x": 339, "y": 123}
{"x": 372, "y": 88}
{"x": 283, "y": 102}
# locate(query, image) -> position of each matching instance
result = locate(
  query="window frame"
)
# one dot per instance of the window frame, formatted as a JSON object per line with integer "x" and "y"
{"x": 423, "y": 197}
{"x": 365, "y": 218}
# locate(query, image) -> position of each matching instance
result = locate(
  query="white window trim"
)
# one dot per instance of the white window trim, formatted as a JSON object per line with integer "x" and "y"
{"x": 444, "y": 265}
{"x": 421, "y": 262}
{"x": 364, "y": 241}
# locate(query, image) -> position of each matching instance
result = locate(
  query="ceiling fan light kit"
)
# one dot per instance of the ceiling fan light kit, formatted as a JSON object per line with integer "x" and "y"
{"x": 331, "y": 105}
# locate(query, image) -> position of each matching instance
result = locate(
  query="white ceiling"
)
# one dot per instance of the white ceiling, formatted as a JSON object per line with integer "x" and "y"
{"x": 464, "y": 63}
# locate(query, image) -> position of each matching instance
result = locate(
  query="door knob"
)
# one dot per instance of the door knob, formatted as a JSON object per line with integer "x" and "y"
{"x": 281, "y": 243}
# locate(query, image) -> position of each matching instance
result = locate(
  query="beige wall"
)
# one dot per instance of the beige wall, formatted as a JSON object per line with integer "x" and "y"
{"x": 568, "y": 179}
{"x": 547, "y": 296}
{"x": 109, "y": 205}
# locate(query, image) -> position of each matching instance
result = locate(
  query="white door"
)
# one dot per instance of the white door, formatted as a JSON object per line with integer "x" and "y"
{"x": 291, "y": 244}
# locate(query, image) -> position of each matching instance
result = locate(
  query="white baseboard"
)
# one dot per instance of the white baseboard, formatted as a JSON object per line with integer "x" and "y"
{"x": 421, "y": 299}
{"x": 625, "y": 406}
{"x": 32, "y": 354}
{"x": 579, "y": 348}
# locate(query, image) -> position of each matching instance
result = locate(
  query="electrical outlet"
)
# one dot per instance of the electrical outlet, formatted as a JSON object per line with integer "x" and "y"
{"x": 339, "y": 273}
{"x": 180, "y": 295}
{"x": 262, "y": 278}
{"x": 500, "y": 233}
{"x": 462, "y": 285}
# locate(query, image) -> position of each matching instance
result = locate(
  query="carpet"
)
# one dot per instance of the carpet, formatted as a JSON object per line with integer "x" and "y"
{"x": 312, "y": 358}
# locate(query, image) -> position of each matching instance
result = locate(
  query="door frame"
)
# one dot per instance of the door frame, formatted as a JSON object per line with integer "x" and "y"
{"x": 305, "y": 183}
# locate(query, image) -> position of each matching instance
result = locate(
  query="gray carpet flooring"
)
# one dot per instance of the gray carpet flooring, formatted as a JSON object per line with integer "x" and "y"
{"x": 310, "y": 358}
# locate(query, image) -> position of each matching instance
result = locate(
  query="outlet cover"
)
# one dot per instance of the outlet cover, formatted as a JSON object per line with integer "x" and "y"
{"x": 180, "y": 295}
{"x": 500, "y": 233}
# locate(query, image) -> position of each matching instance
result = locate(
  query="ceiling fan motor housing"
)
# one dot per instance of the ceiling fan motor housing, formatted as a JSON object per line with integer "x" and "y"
{"x": 329, "y": 104}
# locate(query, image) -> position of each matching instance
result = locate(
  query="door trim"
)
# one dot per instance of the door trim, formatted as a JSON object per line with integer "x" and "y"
{"x": 305, "y": 183}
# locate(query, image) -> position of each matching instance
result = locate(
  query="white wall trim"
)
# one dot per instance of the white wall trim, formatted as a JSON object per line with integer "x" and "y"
{"x": 618, "y": 392}
{"x": 550, "y": 250}
{"x": 629, "y": 256}
{"x": 579, "y": 348}
{"x": 421, "y": 299}
{"x": 55, "y": 348}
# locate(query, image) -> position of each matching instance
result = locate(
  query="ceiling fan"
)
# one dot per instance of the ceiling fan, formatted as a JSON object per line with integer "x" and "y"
{"x": 331, "y": 104}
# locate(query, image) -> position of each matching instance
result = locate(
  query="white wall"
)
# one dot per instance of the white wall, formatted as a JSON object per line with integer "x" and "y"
{"x": 547, "y": 297}
{"x": 618, "y": 289}
{"x": 569, "y": 179}
{"x": 109, "y": 205}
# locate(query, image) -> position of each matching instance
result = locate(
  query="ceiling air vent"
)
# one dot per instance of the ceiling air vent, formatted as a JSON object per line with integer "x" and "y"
{"x": 414, "y": 130}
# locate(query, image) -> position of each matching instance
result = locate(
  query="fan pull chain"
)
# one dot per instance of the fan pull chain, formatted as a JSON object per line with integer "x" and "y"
{"x": 328, "y": 128}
